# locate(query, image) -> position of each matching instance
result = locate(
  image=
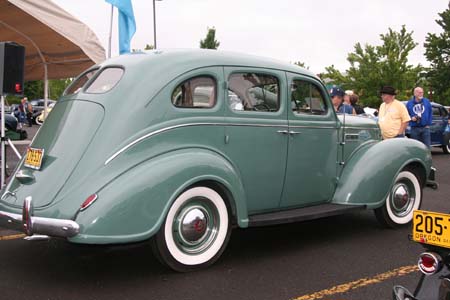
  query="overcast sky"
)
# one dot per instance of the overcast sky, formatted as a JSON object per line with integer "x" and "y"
{"x": 317, "y": 32}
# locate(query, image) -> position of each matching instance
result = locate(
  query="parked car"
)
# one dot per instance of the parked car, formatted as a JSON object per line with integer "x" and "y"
{"x": 40, "y": 119}
{"x": 38, "y": 107}
{"x": 178, "y": 147}
{"x": 10, "y": 122}
{"x": 439, "y": 138}
{"x": 432, "y": 230}
{"x": 447, "y": 108}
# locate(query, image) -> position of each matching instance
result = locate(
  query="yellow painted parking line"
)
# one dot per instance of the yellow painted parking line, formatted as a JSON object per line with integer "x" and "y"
{"x": 12, "y": 237}
{"x": 342, "y": 288}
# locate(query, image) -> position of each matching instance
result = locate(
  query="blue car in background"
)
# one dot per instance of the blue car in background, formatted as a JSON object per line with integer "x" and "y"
{"x": 439, "y": 138}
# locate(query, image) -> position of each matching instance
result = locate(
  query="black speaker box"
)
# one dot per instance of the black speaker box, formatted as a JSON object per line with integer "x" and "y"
{"x": 12, "y": 62}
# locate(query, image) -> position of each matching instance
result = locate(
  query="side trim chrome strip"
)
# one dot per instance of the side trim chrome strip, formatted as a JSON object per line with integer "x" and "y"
{"x": 312, "y": 127}
{"x": 148, "y": 135}
{"x": 362, "y": 128}
{"x": 180, "y": 126}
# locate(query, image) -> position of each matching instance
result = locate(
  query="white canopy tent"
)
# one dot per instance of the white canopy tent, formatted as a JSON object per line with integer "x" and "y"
{"x": 57, "y": 45}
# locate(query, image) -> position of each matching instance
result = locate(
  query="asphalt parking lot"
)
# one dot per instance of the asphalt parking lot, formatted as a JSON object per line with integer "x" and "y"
{"x": 345, "y": 257}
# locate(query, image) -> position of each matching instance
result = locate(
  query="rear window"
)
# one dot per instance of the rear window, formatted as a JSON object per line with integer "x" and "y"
{"x": 105, "y": 81}
{"x": 78, "y": 83}
{"x": 197, "y": 92}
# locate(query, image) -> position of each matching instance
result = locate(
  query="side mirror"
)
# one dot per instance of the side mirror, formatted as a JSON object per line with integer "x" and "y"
{"x": 401, "y": 293}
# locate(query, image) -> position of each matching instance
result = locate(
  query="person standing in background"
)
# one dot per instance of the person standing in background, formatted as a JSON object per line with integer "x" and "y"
{"x": 354, "y": 102}
{"x": 393, "y": 116}
{"x": 22, "y": 112}
{"x": 337, "y": 96}
{"x": 421, "y": 113}
{"x": 29, "y": 112}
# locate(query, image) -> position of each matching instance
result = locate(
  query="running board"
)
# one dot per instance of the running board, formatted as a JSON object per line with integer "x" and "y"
{"x": 302, "y": 214}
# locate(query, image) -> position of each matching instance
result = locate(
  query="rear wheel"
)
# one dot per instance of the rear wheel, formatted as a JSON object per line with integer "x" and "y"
{"x": 195, "y": 232}
{"x": 446, "y": 144}
{"x": 38, "y": 121}
{"x": 404, "y": 197}
{"x": 446, "y": 149}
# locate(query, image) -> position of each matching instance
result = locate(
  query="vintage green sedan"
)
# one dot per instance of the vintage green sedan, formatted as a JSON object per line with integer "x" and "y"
{"x": 178, "y": 147}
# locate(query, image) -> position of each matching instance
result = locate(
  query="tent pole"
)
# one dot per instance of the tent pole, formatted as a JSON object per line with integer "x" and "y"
{"x": 110, "y": 31}
{"x": 45, "y": 89}
{"x": 3, "y": 152}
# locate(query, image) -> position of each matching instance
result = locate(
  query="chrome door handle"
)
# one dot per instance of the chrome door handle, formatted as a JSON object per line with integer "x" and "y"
{"x": 294, "y": 132}
{"x": 283, "y": 131}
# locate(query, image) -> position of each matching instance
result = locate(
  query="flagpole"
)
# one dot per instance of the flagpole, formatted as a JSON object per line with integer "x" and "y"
{"x": 110, "y": 31}
{"x": 154, "y": 24}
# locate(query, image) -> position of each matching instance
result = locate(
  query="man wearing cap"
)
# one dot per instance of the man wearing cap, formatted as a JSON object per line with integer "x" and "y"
{"x": 393, "y": 116}
{"x": 421, "y": 113}
{"x": 337, "y": 97}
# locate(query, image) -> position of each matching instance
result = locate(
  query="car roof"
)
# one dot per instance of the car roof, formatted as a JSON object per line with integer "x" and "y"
{"x": 189, "y": 59}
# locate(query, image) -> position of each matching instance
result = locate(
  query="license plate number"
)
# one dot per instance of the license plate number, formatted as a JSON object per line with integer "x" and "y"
{"x": 34, "y": 158}
{"x": 431, "y": 228}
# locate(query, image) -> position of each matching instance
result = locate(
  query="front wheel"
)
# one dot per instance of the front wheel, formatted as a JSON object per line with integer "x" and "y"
{"x": 446, "y": 144}
{"x": 195, "y": 232}
{"x": 404, "y": 197}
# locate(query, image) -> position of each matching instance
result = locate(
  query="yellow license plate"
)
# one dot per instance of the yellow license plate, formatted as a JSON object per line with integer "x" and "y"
{"x": 34, "y": 158}
{"x": 431, "y": 228}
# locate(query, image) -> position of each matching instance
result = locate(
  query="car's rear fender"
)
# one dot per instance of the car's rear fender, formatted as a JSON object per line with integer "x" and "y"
{"x": 133, "y": 206}
{"x": 369, "y": 173}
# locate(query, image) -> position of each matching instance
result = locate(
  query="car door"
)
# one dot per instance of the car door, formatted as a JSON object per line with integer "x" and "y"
{"x": 313, "y": 144}
{"x": 255, "y": 136}
{"x": 437, "y": 126}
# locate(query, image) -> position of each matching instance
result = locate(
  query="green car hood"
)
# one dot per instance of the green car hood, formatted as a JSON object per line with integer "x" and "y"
{"x": 65, "y": 136}
{"x": 357, "y": 121}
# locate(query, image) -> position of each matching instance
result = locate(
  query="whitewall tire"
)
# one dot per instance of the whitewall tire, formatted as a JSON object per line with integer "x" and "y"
{"x": 404, "y": 197}
{"x": 195, "y": 232}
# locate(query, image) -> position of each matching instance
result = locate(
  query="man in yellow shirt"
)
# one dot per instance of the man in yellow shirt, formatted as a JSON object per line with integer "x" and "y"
{"x": 393, "y": 116}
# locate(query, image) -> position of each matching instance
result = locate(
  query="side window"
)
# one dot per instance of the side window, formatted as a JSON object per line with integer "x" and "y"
{"x": 306, "y": 98}
{"x": 197, "y": 92}
{"x": 76, "y": 86}
{"x": 436, "y": 112}
{"x": 254, "y": 92}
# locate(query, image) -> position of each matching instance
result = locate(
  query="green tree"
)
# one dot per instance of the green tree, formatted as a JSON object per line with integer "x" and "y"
{"x": 56, "y": 87}
{"x": 147, "y": 47}
{"x": 301, "y": 64}
{"x": 437, "y": 52}
{"x": 210, "y": 41}
{"x": 371, "y": 67}
{"x": 34, "y": 89}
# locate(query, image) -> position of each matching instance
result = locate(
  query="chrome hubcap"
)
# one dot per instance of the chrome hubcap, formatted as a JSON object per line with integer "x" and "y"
{"x": 195, "y": 226}
{"x": 403, "y": 198}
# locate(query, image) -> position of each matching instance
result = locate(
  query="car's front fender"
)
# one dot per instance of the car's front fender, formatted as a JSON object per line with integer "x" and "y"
{"x": 133, "y": 206}
{"x": 369, "y": 173}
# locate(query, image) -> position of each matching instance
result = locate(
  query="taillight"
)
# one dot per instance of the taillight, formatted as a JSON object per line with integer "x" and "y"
{"x": 89, "y": 200}
{"x": 429, "y": 263}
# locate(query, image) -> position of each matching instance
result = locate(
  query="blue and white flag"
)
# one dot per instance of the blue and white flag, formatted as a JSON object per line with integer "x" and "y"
{"x": 127, "y": 24}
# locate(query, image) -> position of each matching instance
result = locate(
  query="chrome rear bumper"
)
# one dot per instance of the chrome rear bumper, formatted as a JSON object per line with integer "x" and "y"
{"x": 36, "y": 225}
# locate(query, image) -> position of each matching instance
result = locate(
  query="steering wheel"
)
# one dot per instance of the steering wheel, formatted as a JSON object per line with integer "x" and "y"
{"x": 261, "y": 106}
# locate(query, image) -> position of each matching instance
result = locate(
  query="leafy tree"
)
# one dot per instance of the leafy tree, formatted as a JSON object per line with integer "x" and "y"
{"x": 56, "y": 87}
{"x": 34, "y": 89}
{"x": 301, "y": 64}
{"x": 371, "y": 67}
{"x": 437, "y": 52}
{"x": 210, "y": 41}
{"x": 147, "y": 47}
